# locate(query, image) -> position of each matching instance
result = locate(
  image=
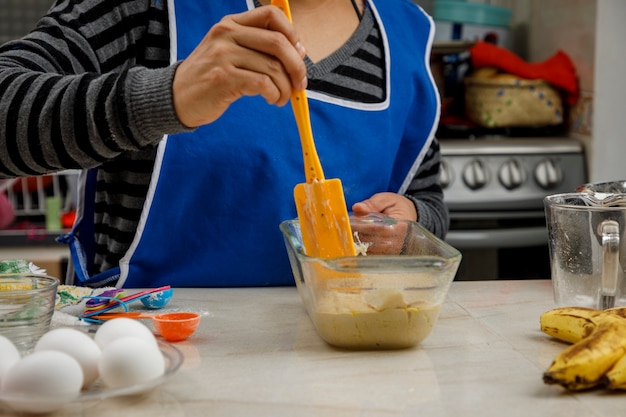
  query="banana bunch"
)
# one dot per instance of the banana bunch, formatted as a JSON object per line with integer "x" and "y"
{"x": 597, "y": 354}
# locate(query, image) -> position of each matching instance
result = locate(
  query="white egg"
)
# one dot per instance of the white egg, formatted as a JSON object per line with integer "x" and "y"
{"x": 129, "y": 361}
{"x": 42, "y": 381}
{"x": 9, "y": 355}
{"x": 78, "y": 345}
{"x": 120, "y": 327}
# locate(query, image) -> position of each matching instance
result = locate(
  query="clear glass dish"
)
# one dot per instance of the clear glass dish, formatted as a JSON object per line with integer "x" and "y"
{"x": 388, "y": 298}
{"x": 97, "y": 391}
{"x": 26, "y": 307}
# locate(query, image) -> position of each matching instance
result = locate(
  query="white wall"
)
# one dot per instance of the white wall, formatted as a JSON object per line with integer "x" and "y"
{"x": 608, "y": 154}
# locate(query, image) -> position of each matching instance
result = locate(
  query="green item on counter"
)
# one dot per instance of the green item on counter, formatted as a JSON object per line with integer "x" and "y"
{"x": 16, "y": 266}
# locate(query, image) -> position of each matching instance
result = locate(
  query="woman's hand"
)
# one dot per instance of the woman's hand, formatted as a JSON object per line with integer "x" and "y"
{"x": 392, "y": 204}
{"x": 385, "y": 238}
{"x": 252, "y": 53}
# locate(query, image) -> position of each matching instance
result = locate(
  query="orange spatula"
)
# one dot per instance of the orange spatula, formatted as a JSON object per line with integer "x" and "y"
{"x": 321, "y": 206}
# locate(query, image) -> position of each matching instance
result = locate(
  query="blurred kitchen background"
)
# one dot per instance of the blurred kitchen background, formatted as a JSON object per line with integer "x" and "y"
{"x": 494, "y": 177}
{"x": 592, "y": 33}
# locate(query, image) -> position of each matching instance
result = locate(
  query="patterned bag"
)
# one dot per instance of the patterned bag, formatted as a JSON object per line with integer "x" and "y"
{"x": 505, "y": 100}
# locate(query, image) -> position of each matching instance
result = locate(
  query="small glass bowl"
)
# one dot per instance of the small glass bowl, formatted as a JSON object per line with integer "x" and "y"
{"x": 27, "y": 304}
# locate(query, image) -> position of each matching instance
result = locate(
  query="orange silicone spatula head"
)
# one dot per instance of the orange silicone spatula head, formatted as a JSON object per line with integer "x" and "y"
{"x": 321, "y": 206}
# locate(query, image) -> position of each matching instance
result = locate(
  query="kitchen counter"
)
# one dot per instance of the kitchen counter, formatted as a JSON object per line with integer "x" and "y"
{"x": 256, "y": 353}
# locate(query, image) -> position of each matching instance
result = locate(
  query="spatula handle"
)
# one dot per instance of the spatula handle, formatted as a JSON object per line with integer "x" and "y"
{"x": 312, "y": 165}
{"x": 299, "y": 104}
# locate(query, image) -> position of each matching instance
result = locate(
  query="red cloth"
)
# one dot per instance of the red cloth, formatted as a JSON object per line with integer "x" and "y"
{"x": 558, "y": 70}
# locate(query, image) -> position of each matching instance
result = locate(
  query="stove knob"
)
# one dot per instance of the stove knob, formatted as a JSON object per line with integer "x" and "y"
{"x": 512, "y": 174}
{"x": 548, "y": 174}
{"x": 446, "y": 175}
{"x": 475, "y": 174}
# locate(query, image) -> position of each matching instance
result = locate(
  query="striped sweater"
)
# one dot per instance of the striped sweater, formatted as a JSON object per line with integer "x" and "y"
{"x": 91, "y": 86}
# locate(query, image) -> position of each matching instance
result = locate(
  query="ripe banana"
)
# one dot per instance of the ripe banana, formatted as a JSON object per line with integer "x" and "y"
{"x": 584, "y": 364}
{"x": 618, "y": 311}
{"x": 572, "y": 324}
{"x": 616, "y": 377}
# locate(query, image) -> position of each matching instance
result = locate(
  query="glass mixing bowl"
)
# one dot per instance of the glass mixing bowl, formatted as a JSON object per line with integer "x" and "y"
{"x": 388, "y": 298}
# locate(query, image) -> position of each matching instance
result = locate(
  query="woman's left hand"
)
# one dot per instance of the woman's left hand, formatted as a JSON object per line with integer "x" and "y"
{"x": 391, "y": 204}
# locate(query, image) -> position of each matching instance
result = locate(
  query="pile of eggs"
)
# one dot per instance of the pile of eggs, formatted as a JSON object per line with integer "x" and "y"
{"x": 66, "y": 361}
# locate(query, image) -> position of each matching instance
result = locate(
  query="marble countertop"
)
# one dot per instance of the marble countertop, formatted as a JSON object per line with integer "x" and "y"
{"x": 256, "y": 353}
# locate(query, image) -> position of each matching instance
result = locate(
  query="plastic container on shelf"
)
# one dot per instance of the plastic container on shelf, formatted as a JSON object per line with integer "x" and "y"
{"x": 468, "y": 21}
{"x": 33, "y": 196}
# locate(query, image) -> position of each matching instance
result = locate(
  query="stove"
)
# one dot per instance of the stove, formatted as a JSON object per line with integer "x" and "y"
{"x": 494, "y": 188}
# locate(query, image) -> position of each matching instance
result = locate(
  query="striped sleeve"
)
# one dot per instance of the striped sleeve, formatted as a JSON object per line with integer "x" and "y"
{"x": 65, "y": 93}
{"x": 427, "y": 195}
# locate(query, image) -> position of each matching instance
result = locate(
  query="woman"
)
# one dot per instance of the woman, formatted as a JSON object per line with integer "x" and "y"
{"x": 180, "y": 105}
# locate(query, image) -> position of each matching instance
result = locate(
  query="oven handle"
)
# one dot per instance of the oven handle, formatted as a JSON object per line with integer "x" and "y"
{"x": 498, "y": 238}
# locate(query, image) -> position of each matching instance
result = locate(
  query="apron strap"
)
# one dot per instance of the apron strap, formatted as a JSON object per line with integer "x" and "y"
{"x": 81, "y": 240}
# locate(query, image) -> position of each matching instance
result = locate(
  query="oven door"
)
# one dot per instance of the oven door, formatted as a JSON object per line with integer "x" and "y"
{"x": 497, "y": 230}
{"x": 503, "y": 245}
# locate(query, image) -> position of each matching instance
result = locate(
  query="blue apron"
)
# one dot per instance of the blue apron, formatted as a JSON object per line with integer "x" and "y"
{"x": 219, "y": 193}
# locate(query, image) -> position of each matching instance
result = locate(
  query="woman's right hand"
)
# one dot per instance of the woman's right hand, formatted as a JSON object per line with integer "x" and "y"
{"x": 252, "y": 53}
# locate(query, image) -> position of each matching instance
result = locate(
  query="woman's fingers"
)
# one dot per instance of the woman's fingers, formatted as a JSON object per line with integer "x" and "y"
{"x": 252, "y": 53}
{"x": 382, "y": 238}
{"x": 390, "y": 204}
{"x": 281, "y": 38}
